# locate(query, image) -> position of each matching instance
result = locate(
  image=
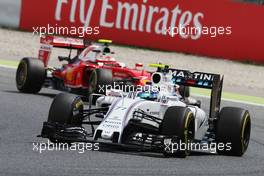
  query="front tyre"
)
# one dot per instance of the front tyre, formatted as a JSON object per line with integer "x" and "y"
{"x": 66, "y": 109}
{"x": 99, "y": 80}
{"x": 30, "y": 75}
{"x": 233, "y": 130}
{"x": 179, "y": 122}
{"x": 65, "y": 120}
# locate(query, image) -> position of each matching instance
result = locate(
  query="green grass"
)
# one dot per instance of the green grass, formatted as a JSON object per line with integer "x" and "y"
{"x": 230, "y": 96}
{"x": 9, "y": 63}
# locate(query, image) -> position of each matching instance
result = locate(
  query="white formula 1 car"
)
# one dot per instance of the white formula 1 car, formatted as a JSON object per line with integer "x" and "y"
{"x": 153, "y": 119}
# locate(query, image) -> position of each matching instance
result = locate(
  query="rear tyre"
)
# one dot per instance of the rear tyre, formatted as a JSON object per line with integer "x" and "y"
{"x": 66, "y": 109}
{"x": 233, "y": 130}
{"x": 30, "y": 75}
{"x": 184, "y": 91}
{"x": 179, "y": 122}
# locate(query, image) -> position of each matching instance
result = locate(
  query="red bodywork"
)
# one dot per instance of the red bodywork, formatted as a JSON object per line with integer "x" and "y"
{"x": 77, "y": 74}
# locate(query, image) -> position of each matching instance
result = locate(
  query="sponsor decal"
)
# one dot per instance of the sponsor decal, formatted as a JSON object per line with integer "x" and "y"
{"x": 195, "y": 75}
{"x": 195, "y": 27}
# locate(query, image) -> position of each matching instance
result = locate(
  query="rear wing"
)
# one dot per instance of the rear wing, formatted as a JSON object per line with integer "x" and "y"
{"x": 214, "y": 82}
{"x": 48, "y": 42}
{"x": 64, "y": 42}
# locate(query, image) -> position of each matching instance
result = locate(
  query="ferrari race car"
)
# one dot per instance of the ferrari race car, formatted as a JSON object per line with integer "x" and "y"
{"x": 153, "y": 119}
{"x": 92, "y": 68}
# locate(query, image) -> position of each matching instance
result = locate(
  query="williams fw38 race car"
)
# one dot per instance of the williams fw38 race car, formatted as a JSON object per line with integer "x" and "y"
{"x": 93, "y": 66}
{"x": 153, "y": 119}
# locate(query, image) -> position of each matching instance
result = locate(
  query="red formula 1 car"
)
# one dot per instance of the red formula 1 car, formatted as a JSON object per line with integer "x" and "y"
{"x": 89, "y": 71}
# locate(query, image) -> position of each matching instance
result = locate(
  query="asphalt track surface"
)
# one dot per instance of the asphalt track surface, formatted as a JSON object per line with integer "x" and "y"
{"x": 21, "y": 117}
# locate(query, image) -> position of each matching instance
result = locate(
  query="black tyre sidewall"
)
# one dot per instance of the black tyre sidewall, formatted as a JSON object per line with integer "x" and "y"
{"x": 104, "y": 77}
{"x": 176, "y": 121}
{"x": 35, "y": 75}
{"x": 230, "y": 126}
{"x": 184, "y": 91}
{"x": 66, "y": 109}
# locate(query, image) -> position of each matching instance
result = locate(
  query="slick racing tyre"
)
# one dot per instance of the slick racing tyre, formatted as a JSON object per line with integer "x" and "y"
{"x": 30, "y": 75}
{"x": 178, "y": 122}
{"x": 233, "y": 130}
{"x": 184, "y": 91}
{"x": 66, "y": 109}
{"x": 99, "y": 80}
{"x": 128, "y": 133}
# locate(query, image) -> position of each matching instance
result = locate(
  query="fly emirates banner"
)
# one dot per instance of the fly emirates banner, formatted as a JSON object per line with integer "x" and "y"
{"x": 219, "y": 28}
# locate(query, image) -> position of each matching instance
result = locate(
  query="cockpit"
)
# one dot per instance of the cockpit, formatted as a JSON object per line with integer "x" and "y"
{"x": 95, "y": 53}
